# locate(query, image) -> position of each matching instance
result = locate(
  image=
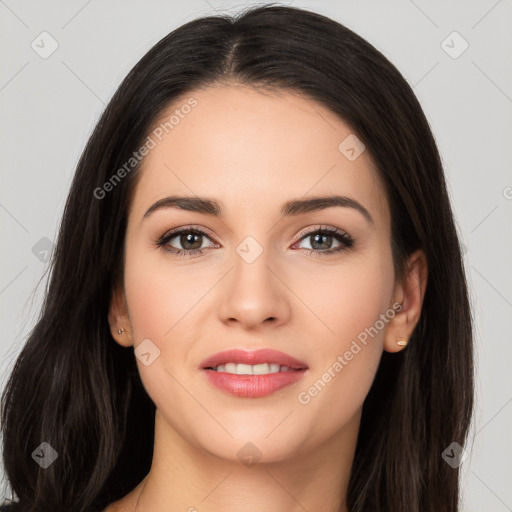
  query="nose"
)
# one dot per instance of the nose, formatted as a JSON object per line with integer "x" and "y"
{"x": 254, "y": 294}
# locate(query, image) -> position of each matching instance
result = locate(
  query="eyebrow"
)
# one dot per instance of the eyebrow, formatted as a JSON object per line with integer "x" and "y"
{"x": 293, "y": 207}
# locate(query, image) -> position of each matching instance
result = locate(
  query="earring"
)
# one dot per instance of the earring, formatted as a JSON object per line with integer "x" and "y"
{"x": 402, "y": 342}
{"x": 120, "y": 331}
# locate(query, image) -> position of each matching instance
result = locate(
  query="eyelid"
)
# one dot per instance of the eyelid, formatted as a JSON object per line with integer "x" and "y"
{"x": 189, "y": 227}
{"x": 320, "y": 227}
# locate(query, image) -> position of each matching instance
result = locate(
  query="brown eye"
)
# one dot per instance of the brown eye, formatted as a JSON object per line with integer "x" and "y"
{"x": 321, "y": 241}
{"x": 189, "y": 241}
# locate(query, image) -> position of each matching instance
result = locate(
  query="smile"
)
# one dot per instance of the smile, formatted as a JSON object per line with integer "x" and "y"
{"x": 252, "y": 374}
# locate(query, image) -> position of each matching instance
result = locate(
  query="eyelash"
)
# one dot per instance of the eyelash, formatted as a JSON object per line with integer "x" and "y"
{"x": 346, "y": 241}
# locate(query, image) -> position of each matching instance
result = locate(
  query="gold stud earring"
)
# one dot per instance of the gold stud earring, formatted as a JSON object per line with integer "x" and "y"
{"x": 120, "y": 331}
{"x": 402, "y": 342}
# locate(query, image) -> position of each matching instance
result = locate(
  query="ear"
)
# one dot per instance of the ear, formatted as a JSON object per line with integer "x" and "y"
{"x": 118, "y": 318}
{"x": 410, "y": 294}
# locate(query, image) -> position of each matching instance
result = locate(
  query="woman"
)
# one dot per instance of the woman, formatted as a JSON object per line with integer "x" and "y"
{"x": 257, "y": 298}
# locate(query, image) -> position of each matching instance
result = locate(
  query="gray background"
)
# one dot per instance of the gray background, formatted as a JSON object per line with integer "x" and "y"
{"x": 49, "y": 107}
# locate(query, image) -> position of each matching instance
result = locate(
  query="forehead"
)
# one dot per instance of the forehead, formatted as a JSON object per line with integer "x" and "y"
{"x": 252, "y": 149}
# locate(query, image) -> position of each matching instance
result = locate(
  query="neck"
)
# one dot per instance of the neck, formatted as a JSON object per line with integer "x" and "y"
{"x": 185, "y": 478}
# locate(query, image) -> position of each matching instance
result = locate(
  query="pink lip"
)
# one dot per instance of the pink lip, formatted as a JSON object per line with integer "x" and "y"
{"x": 266, "y": 355}
{"x": 253, "y": 386}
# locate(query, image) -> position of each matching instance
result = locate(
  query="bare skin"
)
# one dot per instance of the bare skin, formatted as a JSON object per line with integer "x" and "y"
{"x": 252, "y": 152}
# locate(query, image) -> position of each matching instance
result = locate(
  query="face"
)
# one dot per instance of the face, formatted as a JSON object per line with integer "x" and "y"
{"x": 316, "y": 284}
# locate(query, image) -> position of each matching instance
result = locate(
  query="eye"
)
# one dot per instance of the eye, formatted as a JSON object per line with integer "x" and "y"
{"x": 190, "y": 238}
{"x": 321, "y": 240}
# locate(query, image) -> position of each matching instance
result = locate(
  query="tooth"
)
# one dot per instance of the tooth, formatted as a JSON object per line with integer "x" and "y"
{"x": 244, "y": 369}
{"x": 260, "y": 369}
{"x": 256, "y": 369}
{"x": 230, "y": 367}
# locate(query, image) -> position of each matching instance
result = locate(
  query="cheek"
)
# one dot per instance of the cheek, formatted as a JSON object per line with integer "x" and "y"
{"x": 148, "y": 303}
{"x": 355, "y": 305}
{"x": 161, "y": 299}
{"x": 346, "y": 299}
{"x": 159, "y": 294}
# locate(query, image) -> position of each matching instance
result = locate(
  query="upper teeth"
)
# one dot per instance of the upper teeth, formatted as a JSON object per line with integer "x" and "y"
{"x": 255, "y": 369}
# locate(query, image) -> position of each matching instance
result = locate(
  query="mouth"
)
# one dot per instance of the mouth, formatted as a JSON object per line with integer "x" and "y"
{"x": 252, "y": 374}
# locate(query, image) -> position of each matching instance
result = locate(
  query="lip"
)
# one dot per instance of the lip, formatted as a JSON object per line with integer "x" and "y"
{"x": 265, "y": 355}
{"x": 252, "y": 386}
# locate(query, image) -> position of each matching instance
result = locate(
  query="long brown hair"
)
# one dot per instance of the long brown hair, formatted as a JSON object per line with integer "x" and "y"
{"x": 73, "y": 387}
